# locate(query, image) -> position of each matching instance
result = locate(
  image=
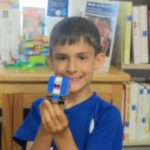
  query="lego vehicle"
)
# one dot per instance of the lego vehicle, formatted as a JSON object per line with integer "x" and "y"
{"x": 58, "y": 88}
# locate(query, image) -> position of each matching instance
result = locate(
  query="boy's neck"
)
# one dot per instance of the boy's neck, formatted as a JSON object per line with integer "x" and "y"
{"x": 76, "y": 98}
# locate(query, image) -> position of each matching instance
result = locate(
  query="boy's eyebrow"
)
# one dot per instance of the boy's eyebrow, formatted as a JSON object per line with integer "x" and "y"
{"x": 57, "y": 54}
{"x": 79, "y": 53}
{"x": 83, "y": 53}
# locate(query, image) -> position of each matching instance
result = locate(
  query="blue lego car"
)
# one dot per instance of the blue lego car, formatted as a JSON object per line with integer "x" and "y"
{"x": 58, "y": 87}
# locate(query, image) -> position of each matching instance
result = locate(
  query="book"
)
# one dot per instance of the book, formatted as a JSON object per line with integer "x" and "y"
{"x": 140, "y": 34}
{"x": 122, "y": 44}
{"x": 104, "y": 15}
{"x": 134, "y": 88}
{"x": 123, "y": 104}
{"x": 117, "y": 55}
{"x": 147, "y": 108}
{"x": 148, "y": 14}
{"x": 126, "y": 115}
{"x": 127, "y": 7}
{"x": 143, "y": 33}
{"x": 141, "y": 114}
{"x": 136, "y": 36}
{"x": 33, "y": 22}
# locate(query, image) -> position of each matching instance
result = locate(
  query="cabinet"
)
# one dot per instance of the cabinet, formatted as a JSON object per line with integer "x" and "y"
{"x": 18, "y": 89}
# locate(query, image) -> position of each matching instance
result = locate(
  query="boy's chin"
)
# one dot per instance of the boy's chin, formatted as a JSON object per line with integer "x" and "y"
{"x": 73, "y": 90}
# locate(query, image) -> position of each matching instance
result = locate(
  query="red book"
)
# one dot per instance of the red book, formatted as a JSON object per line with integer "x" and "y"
{"x": 124, "y": 108}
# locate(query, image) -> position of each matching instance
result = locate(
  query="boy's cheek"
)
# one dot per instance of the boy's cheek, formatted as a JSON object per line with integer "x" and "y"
{"x": 58, "y": 70}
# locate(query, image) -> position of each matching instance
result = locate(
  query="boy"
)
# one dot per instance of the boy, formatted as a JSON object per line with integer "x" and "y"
{"x": 85, "y": 122}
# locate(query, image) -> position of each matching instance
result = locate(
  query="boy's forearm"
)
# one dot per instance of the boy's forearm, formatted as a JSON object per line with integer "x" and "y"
{"x": 43, "y": 140}
{"x": 64, "y": 140}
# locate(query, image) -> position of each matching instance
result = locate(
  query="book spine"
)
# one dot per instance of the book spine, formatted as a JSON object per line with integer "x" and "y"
{"x": 143, "y": 33}
{"x": 148, "y": 22}
{"x": 127, "y": 113}
{"x": 133, "y": 105}
{"x": 146, "y": 110}
{"x": 136, "y": 36}
{"x": 147, "y": 128}
{"x": 140, "y": 123}
{"x": 127, "y": 35}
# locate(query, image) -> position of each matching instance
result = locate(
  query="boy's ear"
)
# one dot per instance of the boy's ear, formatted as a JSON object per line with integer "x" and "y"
{"x": 100, "y": 60}
{"x": 49, "y": 62}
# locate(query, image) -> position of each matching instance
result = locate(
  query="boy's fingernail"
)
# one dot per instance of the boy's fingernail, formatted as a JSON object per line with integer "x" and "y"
{"x": 46, "y": 101}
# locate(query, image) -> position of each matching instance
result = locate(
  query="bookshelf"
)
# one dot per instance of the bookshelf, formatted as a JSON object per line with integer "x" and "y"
{"x": 143, "y": 142}
{"x": 139, "y": 2}
{"x": 138, "y": 72}
{"x": 136, "y": 66}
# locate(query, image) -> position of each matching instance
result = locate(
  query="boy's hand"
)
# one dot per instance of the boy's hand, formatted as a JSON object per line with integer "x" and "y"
{"x": 53, "y": 118}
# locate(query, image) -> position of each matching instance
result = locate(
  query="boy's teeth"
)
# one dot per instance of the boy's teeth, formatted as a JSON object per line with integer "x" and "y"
{"x": 75, "y": 79}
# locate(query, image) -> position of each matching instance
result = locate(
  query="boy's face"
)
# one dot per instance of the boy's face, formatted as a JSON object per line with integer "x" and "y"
{"x": 78, "y": 62}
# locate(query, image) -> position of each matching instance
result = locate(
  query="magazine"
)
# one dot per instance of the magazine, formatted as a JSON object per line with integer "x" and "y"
{"x": 104, "y": 15}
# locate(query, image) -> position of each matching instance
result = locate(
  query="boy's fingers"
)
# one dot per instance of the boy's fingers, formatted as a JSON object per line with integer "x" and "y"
{"x": 46, "y": 119}
{"x": 62, "y": 107}
{"x": 41, "y": 113}
{"x": 53, "y": 116}
{"x": 60, "y": 114}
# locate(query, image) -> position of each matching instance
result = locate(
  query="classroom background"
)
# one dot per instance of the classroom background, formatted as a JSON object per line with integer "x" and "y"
{"x": 124, "y": 80}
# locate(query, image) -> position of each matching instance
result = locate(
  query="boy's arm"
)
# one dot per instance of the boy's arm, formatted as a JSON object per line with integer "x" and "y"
{"x": 55, "y": 122}
{"x": 29, "y": 145}
{"x": 42, "y": 141}
{"x": 65, "y": 141}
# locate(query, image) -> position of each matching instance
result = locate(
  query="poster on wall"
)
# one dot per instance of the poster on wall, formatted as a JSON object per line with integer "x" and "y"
{"x": 9, "y": 4}
{"x": 33, "y": 22}
{"x": 56, "y": 11}
{"x": 9, "y": 31}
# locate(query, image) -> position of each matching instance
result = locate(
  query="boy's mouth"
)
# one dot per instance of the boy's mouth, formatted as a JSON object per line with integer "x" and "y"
{"x": 76, "y": 79}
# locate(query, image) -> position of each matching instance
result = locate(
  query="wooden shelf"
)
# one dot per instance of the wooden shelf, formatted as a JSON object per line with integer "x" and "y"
{"x": 143, "y": 142}
{"x": 137, "y": 66}
{"x": 42, "y": 75}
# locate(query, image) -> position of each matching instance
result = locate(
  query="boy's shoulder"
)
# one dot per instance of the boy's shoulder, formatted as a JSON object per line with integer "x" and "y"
{"x": 103, "y": 104}
{"x": 104, "y": 108}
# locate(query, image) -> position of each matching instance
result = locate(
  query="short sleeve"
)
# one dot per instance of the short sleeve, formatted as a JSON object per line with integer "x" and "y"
{"x": 108, "y": 131}
{"x": 28, "y": 129}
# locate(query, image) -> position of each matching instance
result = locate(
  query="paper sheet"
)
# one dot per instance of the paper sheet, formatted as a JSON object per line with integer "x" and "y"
{"x": 9, "y": 32}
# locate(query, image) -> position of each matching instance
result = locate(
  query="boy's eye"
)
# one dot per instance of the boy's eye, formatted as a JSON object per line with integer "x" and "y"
{"x": 82, "y": 57}
{"x": 60, "y": 58}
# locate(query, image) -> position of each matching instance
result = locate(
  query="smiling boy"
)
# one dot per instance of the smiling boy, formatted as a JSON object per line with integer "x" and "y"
{"x": 85, "y": 122}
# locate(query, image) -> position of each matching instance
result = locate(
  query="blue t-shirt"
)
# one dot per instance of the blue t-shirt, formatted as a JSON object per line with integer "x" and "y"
{"x": 94, "y": 123}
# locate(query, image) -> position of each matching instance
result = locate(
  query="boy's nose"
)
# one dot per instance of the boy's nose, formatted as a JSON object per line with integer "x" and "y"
{"x": 72, "y": 66}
